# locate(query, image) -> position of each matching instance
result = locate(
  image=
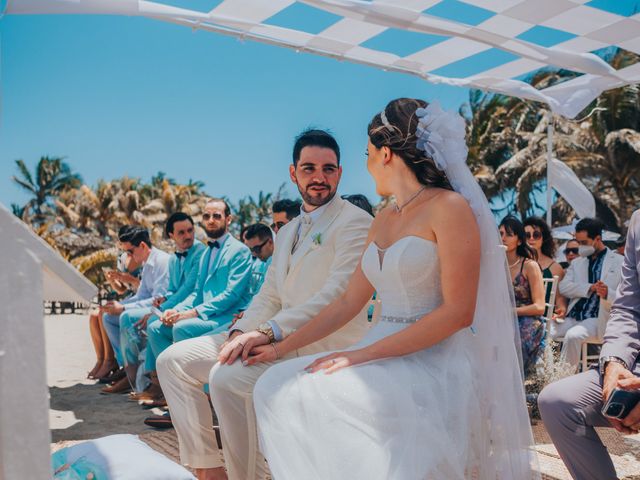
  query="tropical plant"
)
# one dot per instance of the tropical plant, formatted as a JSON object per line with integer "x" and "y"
{"x": 52, "y": 176}
{"x": 508, "y": 150}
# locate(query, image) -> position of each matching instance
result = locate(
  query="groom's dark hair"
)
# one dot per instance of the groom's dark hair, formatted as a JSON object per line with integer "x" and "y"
{"x": 314, "y": 138}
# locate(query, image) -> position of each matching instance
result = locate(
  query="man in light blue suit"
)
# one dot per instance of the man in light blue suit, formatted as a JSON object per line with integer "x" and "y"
{"x": 183, "y": 273}
{"x": 222, "y": 288}
{"x": 259, "y": 238}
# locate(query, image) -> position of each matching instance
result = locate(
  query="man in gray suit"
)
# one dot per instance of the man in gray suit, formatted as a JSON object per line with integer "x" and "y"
{"x": 570, "y": 408}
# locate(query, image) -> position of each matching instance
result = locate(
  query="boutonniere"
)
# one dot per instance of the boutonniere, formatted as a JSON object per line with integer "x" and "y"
{"x": 317, "y": 240}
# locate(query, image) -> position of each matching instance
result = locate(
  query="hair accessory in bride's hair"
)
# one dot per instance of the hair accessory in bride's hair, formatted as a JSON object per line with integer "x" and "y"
{"x": 385, "y": 122}
{"x": 441, "y": 135}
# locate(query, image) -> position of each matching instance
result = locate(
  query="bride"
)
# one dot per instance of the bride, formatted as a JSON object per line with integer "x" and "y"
{"x": 434, "y": 390}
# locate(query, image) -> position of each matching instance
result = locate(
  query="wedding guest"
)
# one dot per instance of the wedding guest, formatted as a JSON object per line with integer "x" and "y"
{"x": 183, "y": 273}
{"x": 119, "y": 315}
{"x": 259, "y": 239}
{"x": 222, "y": 287}
{"x": 313, "y": 258}
{"x": 571, "y": 252}
{"x": 528, "y": 290}
{"x": 620, "y": 244}
{"x": 590, "y": 285}
{"x": 571, "y": 407}
{"x": 539, "y": 238}
{"x": 361, "y": 201}
{"x": 106, "y": 363}
{"x": 284, "y": 211}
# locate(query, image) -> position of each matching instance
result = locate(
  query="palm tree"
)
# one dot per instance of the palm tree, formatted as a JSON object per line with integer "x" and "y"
{"x": 508, "y": 146}
{"x": 52, "y": 176}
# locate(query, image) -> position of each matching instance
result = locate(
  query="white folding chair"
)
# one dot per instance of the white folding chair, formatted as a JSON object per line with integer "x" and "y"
{"x": 550, "y": 305}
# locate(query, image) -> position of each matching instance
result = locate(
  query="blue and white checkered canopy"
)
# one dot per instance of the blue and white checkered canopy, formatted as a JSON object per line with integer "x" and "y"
{"x": 488, "y": 44}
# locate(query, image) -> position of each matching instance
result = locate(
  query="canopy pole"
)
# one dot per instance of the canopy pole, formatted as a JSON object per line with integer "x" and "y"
{"x": 549, "y": 165}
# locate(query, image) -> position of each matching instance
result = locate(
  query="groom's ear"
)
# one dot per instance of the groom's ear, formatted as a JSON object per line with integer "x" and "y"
{"x": 292, "y": 173}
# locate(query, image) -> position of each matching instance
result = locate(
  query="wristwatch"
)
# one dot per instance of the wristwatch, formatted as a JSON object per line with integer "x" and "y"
{"x": 267, "y": 330}
{"x": 602, "y": 365}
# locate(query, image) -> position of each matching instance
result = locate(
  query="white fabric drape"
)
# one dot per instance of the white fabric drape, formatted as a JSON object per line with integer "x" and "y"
{"x": 564, "y": 181}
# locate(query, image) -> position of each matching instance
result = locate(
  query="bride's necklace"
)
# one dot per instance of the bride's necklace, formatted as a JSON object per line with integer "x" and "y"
{"x": 399, "y": 208}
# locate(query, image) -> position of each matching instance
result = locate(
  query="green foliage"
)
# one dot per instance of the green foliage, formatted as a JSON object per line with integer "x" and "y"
{"x": 52, "y": 176}
{"x": 507, "y": 145}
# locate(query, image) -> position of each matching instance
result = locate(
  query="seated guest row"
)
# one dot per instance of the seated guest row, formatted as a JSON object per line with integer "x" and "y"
{"x": 196, "y": 291}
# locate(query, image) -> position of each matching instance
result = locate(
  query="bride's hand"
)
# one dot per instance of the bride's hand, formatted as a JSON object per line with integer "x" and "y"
{"x": 339, "y": 360}
{"x": 262, "y": 353}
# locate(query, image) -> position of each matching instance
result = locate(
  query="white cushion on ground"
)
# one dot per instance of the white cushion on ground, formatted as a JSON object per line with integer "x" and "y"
{"x": 124, "y": 457}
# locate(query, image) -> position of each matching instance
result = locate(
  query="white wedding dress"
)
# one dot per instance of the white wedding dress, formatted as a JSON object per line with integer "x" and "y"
{"x": 414, "y": 417}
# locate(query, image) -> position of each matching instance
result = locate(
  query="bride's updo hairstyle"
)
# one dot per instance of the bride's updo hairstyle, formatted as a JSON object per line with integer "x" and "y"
{"x": 400, "y": 136}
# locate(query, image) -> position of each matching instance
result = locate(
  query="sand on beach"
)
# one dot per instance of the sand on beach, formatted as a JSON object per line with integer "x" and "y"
{"x": 78, "y": 411}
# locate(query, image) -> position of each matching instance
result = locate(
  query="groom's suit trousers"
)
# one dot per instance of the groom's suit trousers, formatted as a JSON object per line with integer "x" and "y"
{"x": 183, "y": 369}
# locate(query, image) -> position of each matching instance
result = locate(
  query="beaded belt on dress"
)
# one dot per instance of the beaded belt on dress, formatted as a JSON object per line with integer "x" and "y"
{"x": 397, "y": 319}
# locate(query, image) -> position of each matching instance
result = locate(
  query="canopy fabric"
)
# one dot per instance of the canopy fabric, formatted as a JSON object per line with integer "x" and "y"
{"x": 487, "y": 44}
{"x": 568, "y": 185}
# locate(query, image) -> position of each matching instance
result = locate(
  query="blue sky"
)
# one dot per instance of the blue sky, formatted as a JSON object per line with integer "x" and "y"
{"x": 132, "y": 96}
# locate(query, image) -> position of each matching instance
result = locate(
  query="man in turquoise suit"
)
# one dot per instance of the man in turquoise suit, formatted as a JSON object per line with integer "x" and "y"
{"x": 259, "y": 238}
{"x": 184, "y": 266}
{"x": 182, "y": 276}
{"x": 223, "y": 285}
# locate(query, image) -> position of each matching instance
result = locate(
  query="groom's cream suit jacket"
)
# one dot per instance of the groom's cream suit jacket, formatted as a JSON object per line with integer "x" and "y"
{"x": 299, "y": 285}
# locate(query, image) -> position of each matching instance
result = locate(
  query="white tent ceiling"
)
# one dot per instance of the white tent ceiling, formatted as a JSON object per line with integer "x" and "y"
{"x": 488, "y": 44}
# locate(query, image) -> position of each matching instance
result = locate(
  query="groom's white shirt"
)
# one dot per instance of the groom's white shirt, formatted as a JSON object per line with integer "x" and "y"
{"x": 299, "y": 285}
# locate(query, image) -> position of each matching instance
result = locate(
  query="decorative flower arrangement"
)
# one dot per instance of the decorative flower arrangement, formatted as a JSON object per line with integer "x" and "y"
{"x": 317, "y": 239}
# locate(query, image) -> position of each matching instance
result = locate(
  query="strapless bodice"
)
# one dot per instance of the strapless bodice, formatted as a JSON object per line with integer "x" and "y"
{"x": 406, "y": 276}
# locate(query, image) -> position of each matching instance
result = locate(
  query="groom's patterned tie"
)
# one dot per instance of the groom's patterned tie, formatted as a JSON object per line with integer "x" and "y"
{"x": 303, "y": 230}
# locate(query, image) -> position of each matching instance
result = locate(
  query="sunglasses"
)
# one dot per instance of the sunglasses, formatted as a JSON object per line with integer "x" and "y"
{"x": 207, "y": 216}
{"x": 536, "y": 235}
{"x": 573, "y": 250}
{"x": 277, "y": 225}
{"x": 258, "y": 247}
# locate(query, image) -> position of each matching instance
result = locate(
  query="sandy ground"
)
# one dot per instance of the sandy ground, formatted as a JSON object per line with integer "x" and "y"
{"x": 78, "y": 411}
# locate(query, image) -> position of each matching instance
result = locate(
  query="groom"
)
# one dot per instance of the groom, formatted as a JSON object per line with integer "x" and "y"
{"x": 315, "y": 255}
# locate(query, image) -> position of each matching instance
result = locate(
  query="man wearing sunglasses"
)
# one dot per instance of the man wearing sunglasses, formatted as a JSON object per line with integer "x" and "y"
{"x": 222, "y": 287}
{"x": 284, "y": 211}
{"x": 571, "y": 251}
{"x": 259, "y": 239}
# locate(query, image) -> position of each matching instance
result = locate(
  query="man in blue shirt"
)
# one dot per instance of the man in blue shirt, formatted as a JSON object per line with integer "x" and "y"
{"x": 120, "y": 317}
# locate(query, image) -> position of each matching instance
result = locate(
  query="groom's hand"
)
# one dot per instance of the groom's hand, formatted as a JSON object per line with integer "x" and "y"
{"x": 238, "y": 344}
